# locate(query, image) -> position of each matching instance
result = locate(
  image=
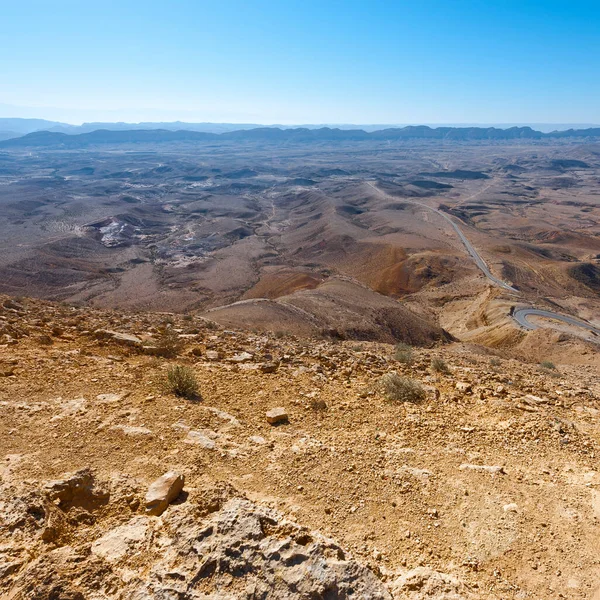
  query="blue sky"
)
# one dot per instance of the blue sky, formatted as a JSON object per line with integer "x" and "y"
{"x": 288, "y": 61}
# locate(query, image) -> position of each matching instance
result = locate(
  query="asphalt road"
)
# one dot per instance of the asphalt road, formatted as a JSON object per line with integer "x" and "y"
{"x": 520, "y": 316}
{"x": 470, "y": 249}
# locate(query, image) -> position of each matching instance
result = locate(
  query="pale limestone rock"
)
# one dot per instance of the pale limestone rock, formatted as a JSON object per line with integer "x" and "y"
{"x": 122, "y": 541}
{"x": 108, "y": 398}
{"x": 222, "y": 415}
{"x": 163, "y": 491}
{"x": 492, "y": 469}
{"x": 424, "y": 583}
{"x": 531, "y": 399}
{"x": 132, "y": 430}
{"x": 277, "y": 415}
{"x": 121, "y": 338}
{"x": 257, "y": 439}
{"x": 199, "y": 438}
{"x": 241, "y": 357}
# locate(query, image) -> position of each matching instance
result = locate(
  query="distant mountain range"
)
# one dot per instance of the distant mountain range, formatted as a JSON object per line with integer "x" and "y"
{"x": 56, "y": 139}
{"x": 17, "y": 127}
{"x": 12, "y": 128}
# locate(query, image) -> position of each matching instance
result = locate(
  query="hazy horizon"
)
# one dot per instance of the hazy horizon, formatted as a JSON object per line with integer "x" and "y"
{"x": 41, "y": 114}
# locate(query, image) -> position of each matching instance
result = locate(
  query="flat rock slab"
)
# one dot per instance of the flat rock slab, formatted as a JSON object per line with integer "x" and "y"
{"x": 200, "y": 438}
{"x": 163, "y": 491}
{"x": 131, "y": 430}
{"x": 121, "y": 541}
{"x": 121, "y": 338}
{"x": 492, "y": 469}
{"x": 241, "y": 357}
{"x": 108, "y": 398}
{"x": 277, "y": 415}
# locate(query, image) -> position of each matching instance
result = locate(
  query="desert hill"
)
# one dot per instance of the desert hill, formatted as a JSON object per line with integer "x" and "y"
{"x": 336, "y": 308}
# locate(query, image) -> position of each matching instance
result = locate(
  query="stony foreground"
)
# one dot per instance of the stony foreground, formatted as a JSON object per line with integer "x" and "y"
{"x": 485, "y": 488}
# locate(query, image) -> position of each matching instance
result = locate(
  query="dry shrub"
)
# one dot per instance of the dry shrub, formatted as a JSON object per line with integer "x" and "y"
{"x": 181, "y": 381}
{"x": 168, "y": 343}
{"x": 439, "y": 366}
{"x": 402, "y": 389}
{"x": 404, "y": 353}
{"x": 548, "y": 368}
{"x": 318, "y": 405}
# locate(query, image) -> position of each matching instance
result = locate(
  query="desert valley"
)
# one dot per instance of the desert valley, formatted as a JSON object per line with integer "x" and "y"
{"x": 290, "y": 232}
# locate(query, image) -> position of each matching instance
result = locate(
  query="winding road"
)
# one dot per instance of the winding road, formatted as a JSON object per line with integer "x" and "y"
{"x": 520, "y": 315}
{"x": 470, "y": 249}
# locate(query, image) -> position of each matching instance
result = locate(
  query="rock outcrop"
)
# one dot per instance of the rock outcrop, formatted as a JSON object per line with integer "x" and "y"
{"x": 216, "y": 545}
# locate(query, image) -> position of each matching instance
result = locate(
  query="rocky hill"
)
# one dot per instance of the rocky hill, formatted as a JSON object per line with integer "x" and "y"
{"x": 297, "y": 469}
{"x": 55, "y": 139}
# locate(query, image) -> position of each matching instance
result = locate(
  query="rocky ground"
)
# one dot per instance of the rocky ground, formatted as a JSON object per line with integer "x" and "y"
{"x": 486, "y": 488}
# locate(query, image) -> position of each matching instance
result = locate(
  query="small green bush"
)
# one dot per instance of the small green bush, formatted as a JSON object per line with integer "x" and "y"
{"x": 402, "y": 389}
{"x": 546, "y": 364}
{"x": 495, "y": 362}
{"x": 439, "y": 366}
{"x": 181, "y": 381}
{"x": 168, "y": 344}
{"x": 404, "y": 354}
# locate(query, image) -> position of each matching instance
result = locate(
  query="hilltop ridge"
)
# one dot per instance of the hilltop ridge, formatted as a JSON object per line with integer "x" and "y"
{"x": 275, "y": 134}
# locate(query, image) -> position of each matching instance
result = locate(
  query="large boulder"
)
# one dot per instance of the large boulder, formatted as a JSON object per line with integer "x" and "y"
{"x": 241, "y": 551}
